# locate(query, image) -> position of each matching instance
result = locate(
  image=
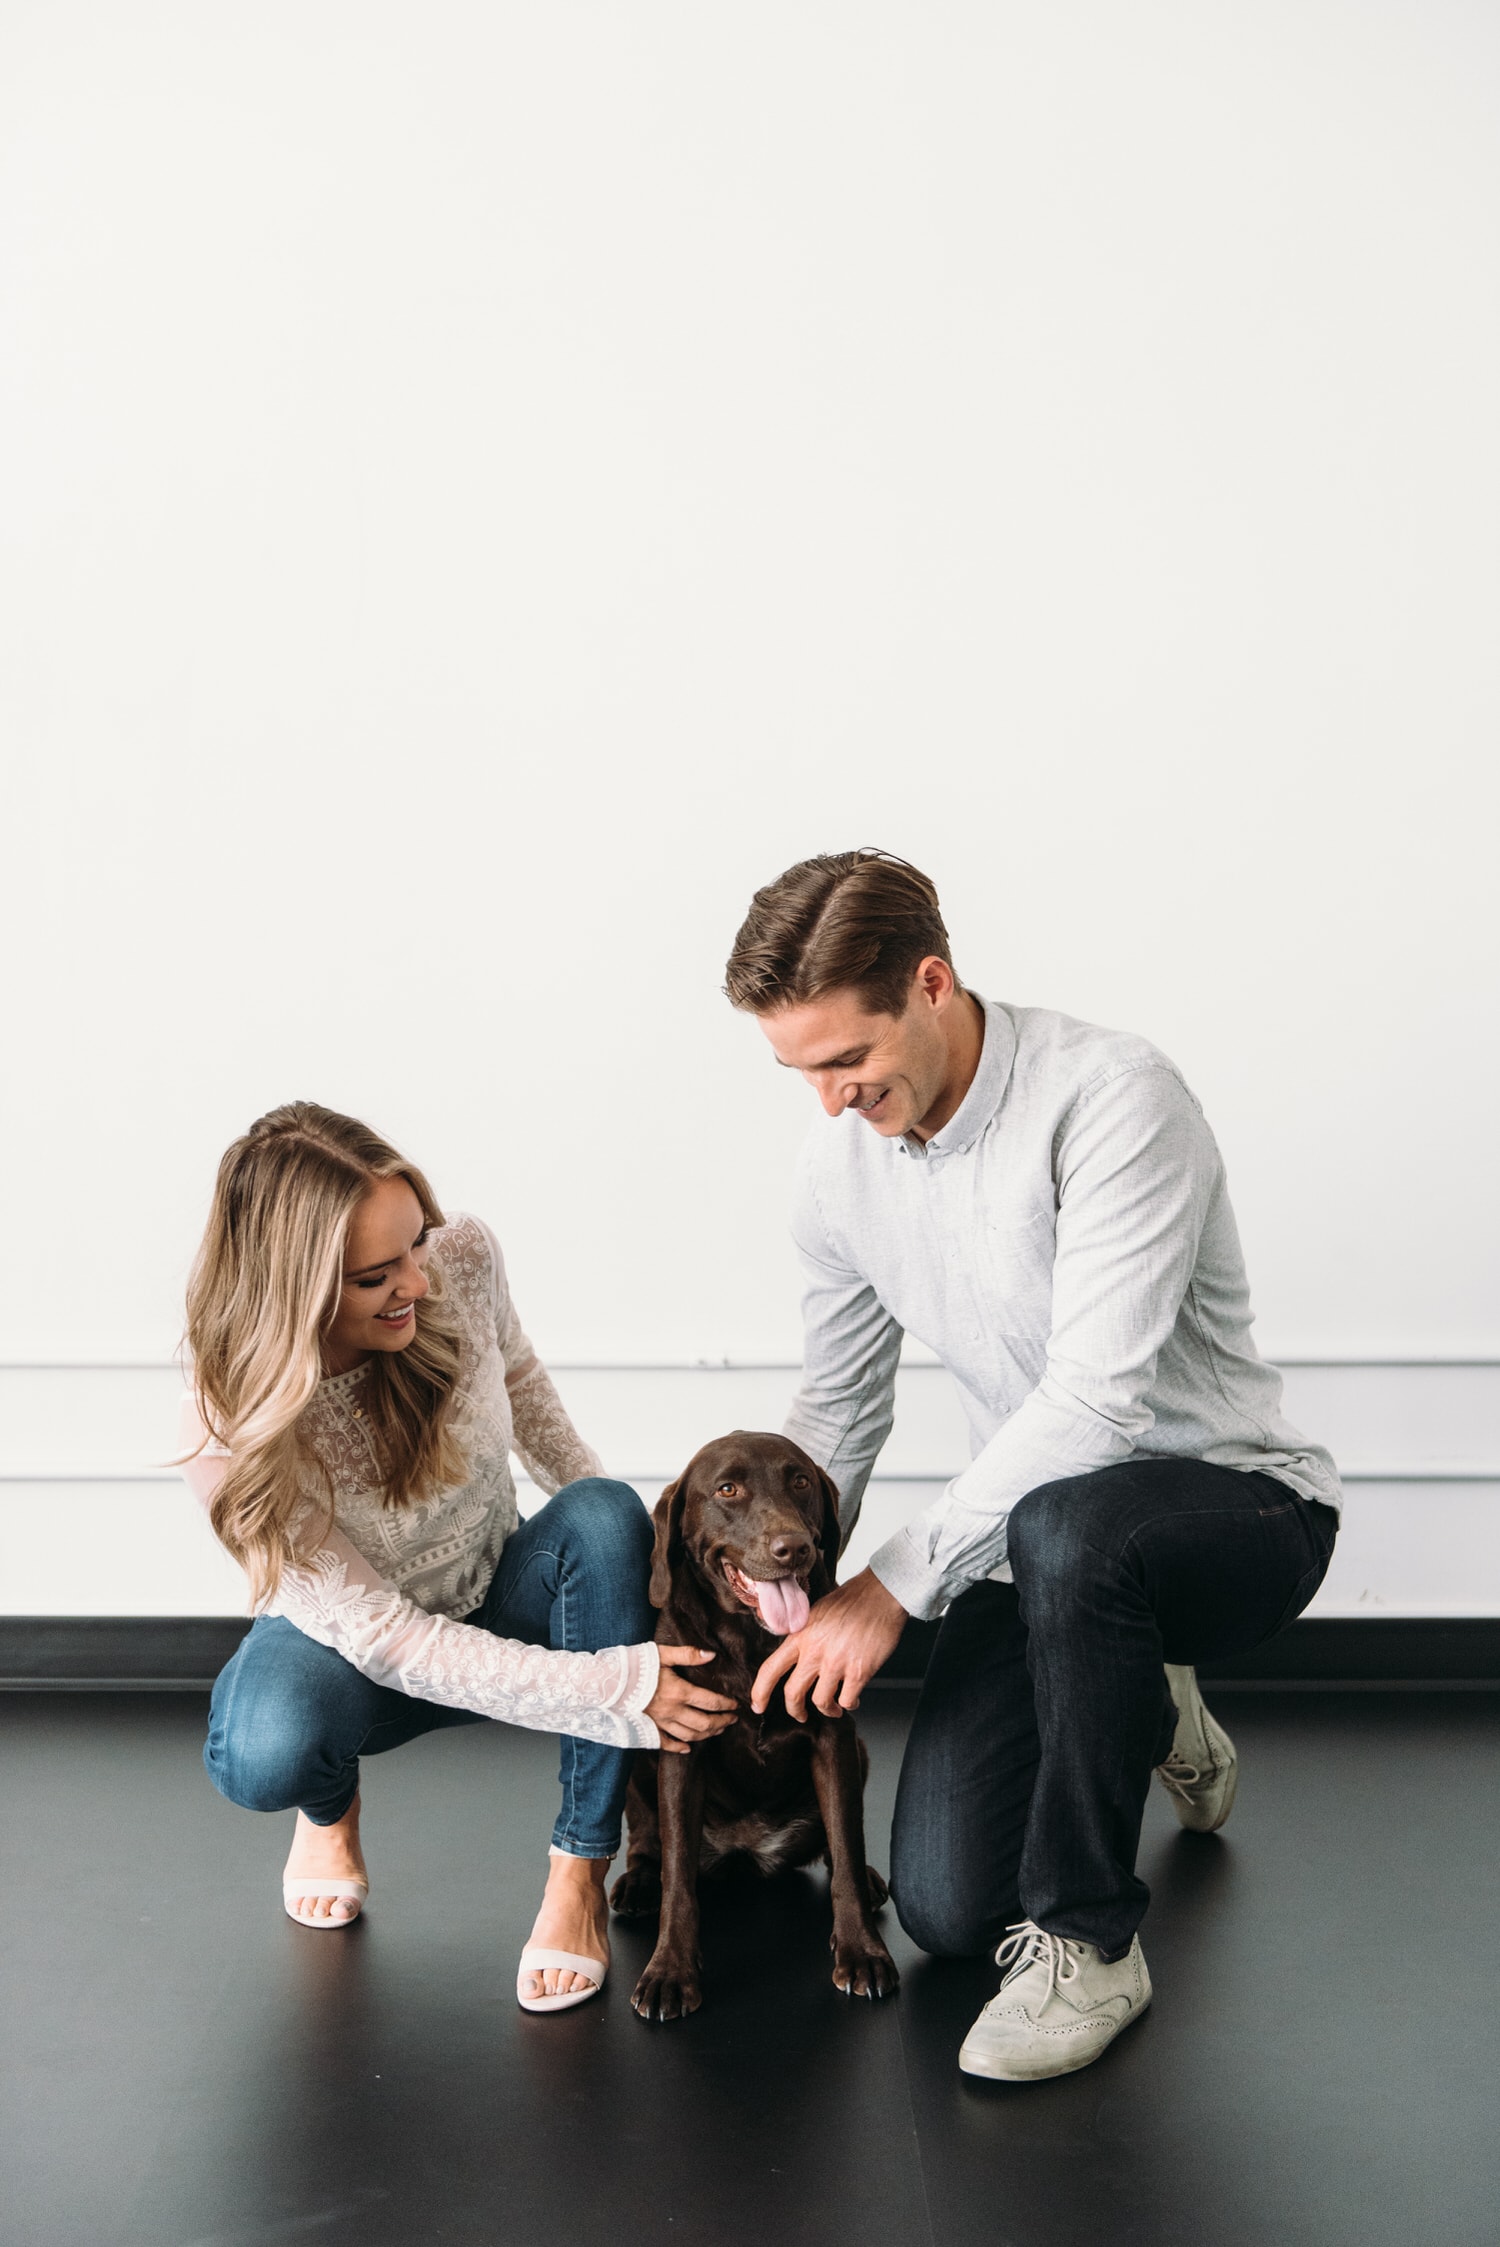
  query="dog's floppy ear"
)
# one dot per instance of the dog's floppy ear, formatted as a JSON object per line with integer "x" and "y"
{"x": 667, "y": 1516}
{"x": 830, "y": 1539}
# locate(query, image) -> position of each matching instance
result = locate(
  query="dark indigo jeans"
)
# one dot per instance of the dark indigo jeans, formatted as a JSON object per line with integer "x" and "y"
{"x": 290, "y": 1719}
{"x": 1044, "y": 1708}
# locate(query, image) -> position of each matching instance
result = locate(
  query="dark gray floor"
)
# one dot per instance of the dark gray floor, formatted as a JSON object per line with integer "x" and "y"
{"x": 184, "y": 2068}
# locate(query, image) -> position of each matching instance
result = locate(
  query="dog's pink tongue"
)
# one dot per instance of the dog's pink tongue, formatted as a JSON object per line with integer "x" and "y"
{"x": 783, "y": 1605}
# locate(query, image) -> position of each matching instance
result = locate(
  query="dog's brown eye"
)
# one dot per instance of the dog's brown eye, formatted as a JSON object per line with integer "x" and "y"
{"x": 726, "y": 1490}
{"x": 800, "y": 1482}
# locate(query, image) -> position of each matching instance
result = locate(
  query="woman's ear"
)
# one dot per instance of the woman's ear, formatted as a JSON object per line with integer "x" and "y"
{"x": 667, "y": 1516}
{"x": 830, "y": 1540}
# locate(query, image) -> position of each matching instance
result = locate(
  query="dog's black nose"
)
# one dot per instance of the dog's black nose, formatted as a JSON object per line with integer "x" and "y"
{"x": 792, "y": 1552}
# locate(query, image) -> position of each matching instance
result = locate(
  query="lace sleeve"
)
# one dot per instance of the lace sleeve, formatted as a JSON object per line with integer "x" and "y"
{"x": 340, "y": 1599}
{"x": 546, "y": 1441}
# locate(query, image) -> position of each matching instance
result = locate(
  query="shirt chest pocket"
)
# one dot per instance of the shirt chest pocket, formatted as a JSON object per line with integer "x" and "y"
{"x": 1014, "y": 1272}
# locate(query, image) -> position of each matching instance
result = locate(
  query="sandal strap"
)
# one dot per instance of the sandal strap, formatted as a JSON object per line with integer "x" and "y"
{"x": 593, "y": 1969}
{"x": 359, "y": 1889}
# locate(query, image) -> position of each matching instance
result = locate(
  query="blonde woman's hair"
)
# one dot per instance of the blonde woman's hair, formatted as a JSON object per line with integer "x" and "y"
{"x": 264, "y": 1289}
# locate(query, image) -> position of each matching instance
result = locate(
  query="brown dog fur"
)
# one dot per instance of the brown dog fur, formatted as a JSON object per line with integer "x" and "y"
{"x": 780, "y": 1792}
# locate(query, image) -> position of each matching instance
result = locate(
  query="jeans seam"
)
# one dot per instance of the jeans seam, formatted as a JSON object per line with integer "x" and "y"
{"x": 564, "y": 1831}
{"x": 550, "y": 1571}
{"x": 567, "y": 1815}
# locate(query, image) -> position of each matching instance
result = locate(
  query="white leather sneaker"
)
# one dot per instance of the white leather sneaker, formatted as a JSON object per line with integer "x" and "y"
{"x": 1202, "y": 1771}
{"x": 1057, "y": 2008}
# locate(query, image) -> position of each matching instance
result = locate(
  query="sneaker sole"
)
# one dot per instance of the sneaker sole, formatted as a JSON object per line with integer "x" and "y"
{"x": 996, "y": 2073}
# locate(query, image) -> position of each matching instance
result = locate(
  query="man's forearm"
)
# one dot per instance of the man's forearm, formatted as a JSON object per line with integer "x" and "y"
{"x": 961, "y": 1539}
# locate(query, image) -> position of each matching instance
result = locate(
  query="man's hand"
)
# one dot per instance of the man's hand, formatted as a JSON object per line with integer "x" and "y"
{"x": 837, "y": 1651}
{"x": 682, "y": 1712}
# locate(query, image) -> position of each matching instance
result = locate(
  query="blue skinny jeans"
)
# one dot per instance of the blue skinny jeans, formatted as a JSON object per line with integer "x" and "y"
{"x": 290, "y": 1719}
{"x": 1044, "y": 1708}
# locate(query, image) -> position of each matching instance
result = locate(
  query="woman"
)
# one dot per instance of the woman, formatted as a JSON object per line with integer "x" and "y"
{"x": 360, "y": 1378}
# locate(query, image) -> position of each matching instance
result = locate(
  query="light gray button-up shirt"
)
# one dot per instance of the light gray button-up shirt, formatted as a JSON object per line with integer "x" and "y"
{"x": 1066, "y": 1247}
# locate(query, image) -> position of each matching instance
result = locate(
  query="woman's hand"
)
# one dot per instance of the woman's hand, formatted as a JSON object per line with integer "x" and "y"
{"x": 682, "y": 1711}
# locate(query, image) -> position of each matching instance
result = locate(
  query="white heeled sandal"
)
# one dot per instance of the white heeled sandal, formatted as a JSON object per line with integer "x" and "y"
{"x": 534, "y": 1957}
{"x": 292, "y": 1887}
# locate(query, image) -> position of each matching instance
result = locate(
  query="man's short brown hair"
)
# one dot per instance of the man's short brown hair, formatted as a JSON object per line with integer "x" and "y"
{"x": 849, "y": 920}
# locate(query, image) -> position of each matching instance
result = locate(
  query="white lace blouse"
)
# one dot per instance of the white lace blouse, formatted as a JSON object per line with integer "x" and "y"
{"x": 388, "y": 1585}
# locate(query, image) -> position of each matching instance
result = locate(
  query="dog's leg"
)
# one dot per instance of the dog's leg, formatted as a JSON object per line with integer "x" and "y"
{"x": 637, "y": 1892}
{"x": 862, "y": 1966}
{"x": 670, "y": 1986}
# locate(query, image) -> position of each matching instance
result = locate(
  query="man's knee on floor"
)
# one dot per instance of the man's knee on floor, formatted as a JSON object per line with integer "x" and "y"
{"x": 942, "y": 1927}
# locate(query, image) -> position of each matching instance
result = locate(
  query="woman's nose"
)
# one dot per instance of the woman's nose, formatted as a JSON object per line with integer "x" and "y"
{"x": 413, "y": 1282}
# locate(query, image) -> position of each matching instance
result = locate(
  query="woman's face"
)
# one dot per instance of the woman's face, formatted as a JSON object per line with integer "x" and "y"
{"x": 385, "y": 1277}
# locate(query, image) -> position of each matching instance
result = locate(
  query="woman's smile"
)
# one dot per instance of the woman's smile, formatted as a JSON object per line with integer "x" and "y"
{"x": 387, "y": 1247}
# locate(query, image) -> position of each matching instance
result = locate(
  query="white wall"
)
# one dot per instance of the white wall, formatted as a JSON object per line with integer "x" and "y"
{"x": 91, "y": 1523}
{"x": 486, "y": 486}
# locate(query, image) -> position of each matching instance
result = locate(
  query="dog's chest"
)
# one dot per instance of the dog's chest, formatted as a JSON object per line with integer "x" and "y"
{"x": 761, "y": 1800}
{"x": 772, "y": 1842}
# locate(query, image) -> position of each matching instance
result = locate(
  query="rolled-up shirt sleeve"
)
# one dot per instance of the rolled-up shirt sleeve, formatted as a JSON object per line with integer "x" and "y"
{"x": 845, "y": 1407}
{"x": 1135, "y": 1171}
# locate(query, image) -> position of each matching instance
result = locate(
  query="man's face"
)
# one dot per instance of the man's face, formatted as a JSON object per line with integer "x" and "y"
{"x": 891, "y": 1069}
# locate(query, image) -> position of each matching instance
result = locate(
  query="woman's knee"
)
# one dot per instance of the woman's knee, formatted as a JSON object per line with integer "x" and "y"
{"x": 285, "y": 1724}
{"x": 608, "y": 1520}
{"x": 264, "y": 1768}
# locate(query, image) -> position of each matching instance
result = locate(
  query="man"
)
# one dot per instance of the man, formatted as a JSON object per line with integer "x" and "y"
{"x": 1042, "y": 1203}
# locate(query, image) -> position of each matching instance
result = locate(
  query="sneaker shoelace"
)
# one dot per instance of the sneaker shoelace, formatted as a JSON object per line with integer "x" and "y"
{"x": 1179, "y": 1776}
{"x": 1027, "y": 1945}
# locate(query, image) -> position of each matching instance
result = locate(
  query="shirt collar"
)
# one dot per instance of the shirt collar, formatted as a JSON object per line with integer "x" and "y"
{"x": 977, "y": 1109}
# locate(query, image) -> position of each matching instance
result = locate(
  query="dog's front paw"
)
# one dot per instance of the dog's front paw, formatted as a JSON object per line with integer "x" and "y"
{"x": 668, "y": 1990}
{"x": 637, "y": 1892}
{"x": 864, "y": 1968}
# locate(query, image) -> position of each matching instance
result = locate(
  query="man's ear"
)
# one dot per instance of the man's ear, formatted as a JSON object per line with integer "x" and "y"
{"x": 830, "y": 1540}
{"x": 667, "y": 1516}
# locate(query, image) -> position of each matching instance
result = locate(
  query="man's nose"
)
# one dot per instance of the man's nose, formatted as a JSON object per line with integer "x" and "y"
{"x": 835, "y": 1097}
{"x": 793, "y": 1548}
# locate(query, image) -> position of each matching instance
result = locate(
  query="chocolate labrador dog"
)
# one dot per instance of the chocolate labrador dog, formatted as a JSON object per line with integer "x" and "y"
{"x": 745, "y": 1540}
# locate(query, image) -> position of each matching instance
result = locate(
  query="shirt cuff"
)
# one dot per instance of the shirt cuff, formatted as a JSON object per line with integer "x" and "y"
{"x": 922, "y": 1588}
{"x": 642, "y": 1673}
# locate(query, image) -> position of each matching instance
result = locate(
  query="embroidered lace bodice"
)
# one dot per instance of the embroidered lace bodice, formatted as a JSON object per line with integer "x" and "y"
{"x": 388, "y": 1586}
